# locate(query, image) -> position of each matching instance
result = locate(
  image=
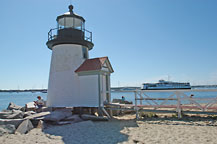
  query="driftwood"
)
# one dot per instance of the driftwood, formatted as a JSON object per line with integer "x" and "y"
{"x": 15, "y": 122}
{"x": 93, "y": 118}
{"x": 37, "y": 116}
{"x": 29, "y": 113}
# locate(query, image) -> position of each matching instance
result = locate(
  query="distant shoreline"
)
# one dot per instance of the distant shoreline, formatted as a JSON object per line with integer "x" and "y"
{"x": 27, "y": 90}
{"x": 113, "y": 89}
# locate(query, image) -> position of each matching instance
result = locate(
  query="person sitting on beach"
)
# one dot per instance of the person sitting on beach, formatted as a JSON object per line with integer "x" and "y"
{"x": 191, "y": 96}
{"x": 40, "y": 102}
{"x": 123, "y": 99}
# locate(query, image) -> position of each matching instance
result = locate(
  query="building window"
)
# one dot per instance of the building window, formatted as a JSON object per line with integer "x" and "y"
{"x": 85, "y": 53}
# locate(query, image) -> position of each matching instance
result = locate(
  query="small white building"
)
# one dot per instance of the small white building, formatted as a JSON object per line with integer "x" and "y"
{"x": 94, "y": 78}
{"x": 75, "y": 80}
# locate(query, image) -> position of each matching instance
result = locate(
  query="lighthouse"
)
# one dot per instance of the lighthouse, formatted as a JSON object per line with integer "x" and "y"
{"x": 74, "y": 79}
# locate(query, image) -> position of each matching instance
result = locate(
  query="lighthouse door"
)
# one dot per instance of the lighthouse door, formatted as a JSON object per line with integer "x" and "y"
{"x": 107, "y": 88}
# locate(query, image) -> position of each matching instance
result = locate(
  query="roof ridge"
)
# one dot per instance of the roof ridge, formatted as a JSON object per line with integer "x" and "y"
{"x": 92, "y": 64}
{"x": 97, "y": 58}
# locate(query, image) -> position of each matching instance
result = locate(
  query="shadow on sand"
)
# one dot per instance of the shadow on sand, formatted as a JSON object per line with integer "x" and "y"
{"x": 92, "y": 132}
{"x": 186, "y": 120}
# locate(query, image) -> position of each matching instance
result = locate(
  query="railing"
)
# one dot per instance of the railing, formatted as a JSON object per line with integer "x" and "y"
{"x": 89, "y": 35}
{"x": 52, "y": 34}
{"x": 178, "y": 97}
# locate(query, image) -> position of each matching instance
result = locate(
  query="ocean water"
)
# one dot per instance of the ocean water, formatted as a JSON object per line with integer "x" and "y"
{"x": 22, "y": 98}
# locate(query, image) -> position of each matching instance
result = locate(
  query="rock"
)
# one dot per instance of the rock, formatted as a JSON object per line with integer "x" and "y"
{"x": 5, "y": 110}
{"x": 35, "y": 122}
{"x": 11, "y": 114}
{"x": 58, "y": 115}
{"x": 64, "y": 122}
{"x": 41, "y": 125}
{"x": 37, "y": 116}
{"x": 116, "y": 101}
{"x": 23, "y": 109}
{"x": 15, "y": 122}
{"x": 13, "y": 106}
{"x": 7, "y": 129}
{"x": 30, "y": 106}
{"x": 128, "y": 102}
{"x": 3, "y": 131}
{"x": 93, "y": 118}
{"x": 121, "y": 102}
{"x": 74, "y": 118}
{"x": 45, "y": 109}
{"x": 71, "y": 118}
{"x": 5, "y": 114}
{"x": 24, "y": 127}
{"x": 16, "y": 114}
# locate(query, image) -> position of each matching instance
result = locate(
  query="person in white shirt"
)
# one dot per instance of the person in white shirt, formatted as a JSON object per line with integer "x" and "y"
{"x": 40, "y": 102}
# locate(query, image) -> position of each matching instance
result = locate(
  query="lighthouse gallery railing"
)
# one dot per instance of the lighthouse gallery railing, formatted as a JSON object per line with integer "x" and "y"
{"x": 52, "y": 34}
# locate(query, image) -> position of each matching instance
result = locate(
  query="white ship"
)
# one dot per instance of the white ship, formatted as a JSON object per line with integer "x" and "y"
{"x": 165, "y": 85}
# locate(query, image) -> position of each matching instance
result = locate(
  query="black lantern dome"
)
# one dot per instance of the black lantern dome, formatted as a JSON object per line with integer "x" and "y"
{"x": 70, "y": 30}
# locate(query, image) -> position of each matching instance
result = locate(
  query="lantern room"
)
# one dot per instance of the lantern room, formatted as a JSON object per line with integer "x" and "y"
{"x": 70, "y": 30}
{"x": 70, "y": 20}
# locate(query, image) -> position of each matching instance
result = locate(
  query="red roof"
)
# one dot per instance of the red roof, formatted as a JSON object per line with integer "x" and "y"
{"x": 92, "y": 64}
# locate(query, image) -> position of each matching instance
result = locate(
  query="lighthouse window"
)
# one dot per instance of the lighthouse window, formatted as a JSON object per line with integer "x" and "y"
{"x": 85, "y": 53}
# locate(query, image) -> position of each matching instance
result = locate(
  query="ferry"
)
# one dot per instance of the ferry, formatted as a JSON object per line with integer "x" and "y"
{"x": 165, "y": 85}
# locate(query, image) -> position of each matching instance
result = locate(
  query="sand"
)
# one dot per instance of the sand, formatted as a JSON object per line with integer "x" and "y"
{"x": 124, "y": 129}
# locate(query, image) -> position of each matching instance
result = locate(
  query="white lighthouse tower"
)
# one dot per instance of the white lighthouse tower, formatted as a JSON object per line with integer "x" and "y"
{"x": 75, "y": 80}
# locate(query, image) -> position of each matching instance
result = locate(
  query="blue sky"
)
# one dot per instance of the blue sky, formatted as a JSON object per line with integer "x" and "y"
{"x": 145, "y": 40}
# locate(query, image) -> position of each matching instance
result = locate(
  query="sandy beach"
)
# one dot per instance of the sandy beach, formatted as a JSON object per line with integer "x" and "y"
{"x": 123, "y": 129}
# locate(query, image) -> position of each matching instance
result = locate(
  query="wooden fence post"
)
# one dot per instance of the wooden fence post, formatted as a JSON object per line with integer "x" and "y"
{"x": 137, "y": 116}
{"x": 179, "y": 105}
